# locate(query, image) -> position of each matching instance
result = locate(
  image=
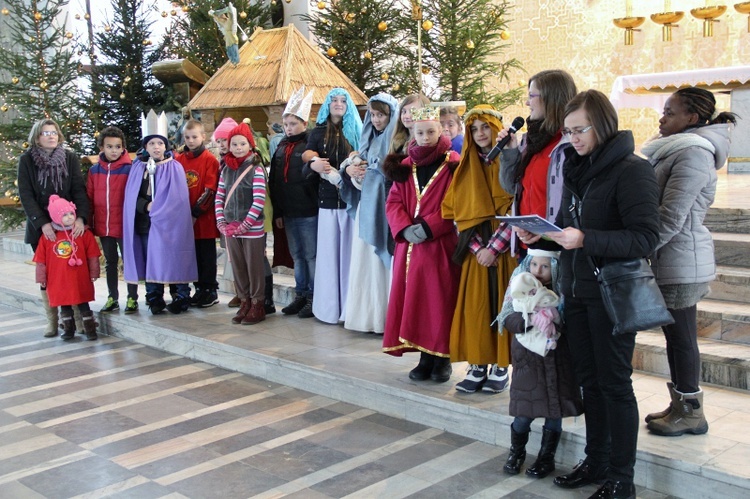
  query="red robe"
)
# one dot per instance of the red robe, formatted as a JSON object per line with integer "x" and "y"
{"x": 425, "y": 282}
{"x": 66, "y": 284}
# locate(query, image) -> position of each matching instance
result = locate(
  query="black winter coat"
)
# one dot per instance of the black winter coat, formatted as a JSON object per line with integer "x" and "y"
{"x": 35, "y": 198}
{"x": 328, "y": 194}
{"x": 619, "y": 211}
{"x": 294, "y": 188}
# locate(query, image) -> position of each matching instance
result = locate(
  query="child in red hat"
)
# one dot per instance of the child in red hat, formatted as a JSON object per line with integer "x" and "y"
{"x": 67, "y": 267}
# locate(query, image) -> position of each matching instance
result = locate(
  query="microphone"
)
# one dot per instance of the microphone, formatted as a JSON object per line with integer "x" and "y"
{"x": 514, "y": 127}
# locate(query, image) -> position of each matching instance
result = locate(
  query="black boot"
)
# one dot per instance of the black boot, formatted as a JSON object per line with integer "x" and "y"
{"x": 441, "y": 369}
{"x": 69, "y": 326}
{"x": 268, "y": 305}
{"x": 615, "y": 490}
{"x": 424, "y": 369}
{"x": 545, "y": 461}
{"x": 517, "y": 454}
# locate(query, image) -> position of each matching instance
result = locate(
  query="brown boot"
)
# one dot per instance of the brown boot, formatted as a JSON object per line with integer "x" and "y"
{"x": 69, "y": 326}
{"x": 89, "y": 325}
{"x": 256, "y": 314}
{"x": 661, "y": 414}
{"x": 686, "y": 416}
{"x": 52, "y": 318}
{"x": 242, "y": 312}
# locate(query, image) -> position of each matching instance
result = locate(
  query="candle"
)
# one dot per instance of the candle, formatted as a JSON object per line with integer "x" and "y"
{"x": 628, "y": 8}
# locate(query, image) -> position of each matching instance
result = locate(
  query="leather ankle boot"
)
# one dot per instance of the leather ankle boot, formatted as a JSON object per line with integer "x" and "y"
{"x": 545, "y": 461}
{"x": 256, "y": 313}
{"x": 661, "y": 414}
{"x": 241, "y": 312}
{"x": 424, "y": 369}
{"x": 686, "y": 416}
{"x": 517, "y": 454}
{"x": 441, "y": 369}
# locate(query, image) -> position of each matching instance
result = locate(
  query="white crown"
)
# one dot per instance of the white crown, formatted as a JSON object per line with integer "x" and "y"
{"x": 154, "y": 125}
{"x": 299, "y": 106}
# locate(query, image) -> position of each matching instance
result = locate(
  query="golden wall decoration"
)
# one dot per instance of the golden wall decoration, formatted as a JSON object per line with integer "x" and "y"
{"x": 579, "y": 36}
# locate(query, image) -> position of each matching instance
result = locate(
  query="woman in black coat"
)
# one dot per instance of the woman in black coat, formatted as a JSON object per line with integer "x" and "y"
{"x": 618, "y": 201}
{"x": 46, "y": 168}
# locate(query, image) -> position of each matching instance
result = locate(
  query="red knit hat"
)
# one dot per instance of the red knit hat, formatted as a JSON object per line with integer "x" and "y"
{"x": 58, "y": 207}
{"x": 244, "y": 130}
{"x": 226, "y": 126}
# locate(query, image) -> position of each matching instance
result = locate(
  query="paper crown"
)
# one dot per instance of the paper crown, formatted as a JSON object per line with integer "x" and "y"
{"x": 300, "y": 104}
{"x": 427, "y": 113}
{"x": 152, "y": 124}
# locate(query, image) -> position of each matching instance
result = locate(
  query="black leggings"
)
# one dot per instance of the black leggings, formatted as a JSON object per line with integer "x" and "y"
{"x": 67, "y": 310}
{"x": 682, "y": 350}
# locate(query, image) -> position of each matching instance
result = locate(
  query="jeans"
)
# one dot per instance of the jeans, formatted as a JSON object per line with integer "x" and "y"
{"x": 522, "y": 424}
{"x": 112, "y": 259}
{"x": 302, "y": 235}
{"x": 156, "y": 289}
{"x": 603, "y": 369}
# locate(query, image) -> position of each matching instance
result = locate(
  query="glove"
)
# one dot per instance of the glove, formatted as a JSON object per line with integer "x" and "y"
{"x": 415, "y": 234}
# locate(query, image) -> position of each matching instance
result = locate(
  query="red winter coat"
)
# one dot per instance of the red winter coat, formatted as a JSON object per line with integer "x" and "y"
{"x": 202, "y": 172}
{"x": 105, "y": 188}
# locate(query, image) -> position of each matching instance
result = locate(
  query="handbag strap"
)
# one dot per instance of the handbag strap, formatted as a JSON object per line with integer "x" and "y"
{"x": 236, "y": 183}
{"x": 575, "y": 211}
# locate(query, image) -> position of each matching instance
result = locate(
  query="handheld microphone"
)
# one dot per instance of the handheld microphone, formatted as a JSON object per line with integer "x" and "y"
{"x": 514, "y": 127}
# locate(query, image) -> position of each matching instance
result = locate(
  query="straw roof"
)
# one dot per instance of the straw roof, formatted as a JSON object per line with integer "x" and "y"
{"x": 273, "y": 64}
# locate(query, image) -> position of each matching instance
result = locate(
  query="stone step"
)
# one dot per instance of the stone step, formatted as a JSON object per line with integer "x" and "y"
{"x": 724, "y": 320}
{"x": 722, "y": 363}
{"x": 731, "y": 284}
{"x": 735, "y": 220}
{"x": 732, "y": 249}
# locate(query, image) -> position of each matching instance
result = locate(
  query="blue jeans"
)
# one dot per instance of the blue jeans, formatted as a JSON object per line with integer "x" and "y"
{"x": 522, "y": 424}
{"x": 302, "y": 234}
{"x": 156, "y": 289}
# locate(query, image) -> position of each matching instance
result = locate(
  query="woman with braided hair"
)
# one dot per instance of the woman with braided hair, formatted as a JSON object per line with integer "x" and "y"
{"x": 693, "y": 144}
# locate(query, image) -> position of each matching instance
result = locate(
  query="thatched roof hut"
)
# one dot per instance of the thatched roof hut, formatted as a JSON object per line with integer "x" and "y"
{"x": 273, "y": 64}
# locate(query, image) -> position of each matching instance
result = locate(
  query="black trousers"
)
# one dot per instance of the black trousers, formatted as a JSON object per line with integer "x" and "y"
{"x": 682, "y": 349}
{"x": 111, "y": 266}
{"x": 205, "y": 254}
{"x": 603, "y": 368}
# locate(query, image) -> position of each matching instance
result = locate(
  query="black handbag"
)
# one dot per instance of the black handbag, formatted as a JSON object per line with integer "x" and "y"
{"x": 629, "y": 291}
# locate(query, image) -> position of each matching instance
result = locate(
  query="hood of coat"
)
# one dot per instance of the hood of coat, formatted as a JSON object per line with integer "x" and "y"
{"x": 713, "y": 138}
{"x": 719, "y": 136}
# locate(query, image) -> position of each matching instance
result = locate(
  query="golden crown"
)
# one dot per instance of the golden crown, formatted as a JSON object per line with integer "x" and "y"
{"x": 427, "y": 113}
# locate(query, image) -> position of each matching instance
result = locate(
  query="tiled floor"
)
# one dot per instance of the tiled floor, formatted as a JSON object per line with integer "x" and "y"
{"x": 115, "y": 419}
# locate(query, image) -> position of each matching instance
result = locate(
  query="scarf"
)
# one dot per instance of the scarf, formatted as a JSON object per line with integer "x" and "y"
{"x": 475, "y": 195}
{"x": 427, "y": 155}
{"x": 536, "y": 139}
{"x": 234, "y": 162}
{"x": 193, "y": 154}
{"x": 50, "y": 166}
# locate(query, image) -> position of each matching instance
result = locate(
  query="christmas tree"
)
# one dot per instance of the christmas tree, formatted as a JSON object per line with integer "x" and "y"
{"x": 194, "y": 34}
{"x": 464, "y": 48}
{"x": 41, "y": 80}
{"x": 123, "y": 80}
{"x": 368, "y": 41}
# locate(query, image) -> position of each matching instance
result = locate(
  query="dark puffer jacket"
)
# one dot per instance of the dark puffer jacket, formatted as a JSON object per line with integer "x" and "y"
{"x": 542, "y": 387}
{"x": 619, "y": 211}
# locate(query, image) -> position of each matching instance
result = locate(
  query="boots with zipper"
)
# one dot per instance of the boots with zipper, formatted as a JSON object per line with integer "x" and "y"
{"x": 661, "y": 414}
{"x": 52, "y": 318}
{"x": 686, "y": 416}
{"x": 517, "y": 454}
{"x": 545, "y": 461}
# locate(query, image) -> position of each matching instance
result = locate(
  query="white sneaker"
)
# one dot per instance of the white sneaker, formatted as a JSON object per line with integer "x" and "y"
{"x": 474, "y": 380}
{"x": 497, "y": 380}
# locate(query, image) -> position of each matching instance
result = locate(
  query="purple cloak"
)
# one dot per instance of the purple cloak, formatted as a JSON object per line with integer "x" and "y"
{"x": 171, "y": 247}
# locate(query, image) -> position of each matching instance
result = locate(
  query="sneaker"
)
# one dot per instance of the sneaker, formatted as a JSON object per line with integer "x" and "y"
{"x": 476, "y": 377}
{"x": 111, "y": 305}
{"x": 306, "y": 311}
{"x": 157, "y": 305}
{"x": 497, "y": 380}
{"x": 131, "y": 306}
{"x": 294, "y": 307}
{"x": 210, "y": 298}
{"x": 197, "y": 298}
{"x": 234, "y": 302}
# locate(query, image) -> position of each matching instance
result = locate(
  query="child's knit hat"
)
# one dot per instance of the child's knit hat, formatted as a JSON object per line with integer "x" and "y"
{"x": 58, "y": 207}
{"x": 244, "y": 130}
{"x": 226, "y": 126}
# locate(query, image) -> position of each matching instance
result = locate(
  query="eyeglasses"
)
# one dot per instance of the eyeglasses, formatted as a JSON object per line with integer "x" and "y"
{"x": 533, "y": 96}
{"x": 48, "y": 133}
{"x": 577, "y": 131}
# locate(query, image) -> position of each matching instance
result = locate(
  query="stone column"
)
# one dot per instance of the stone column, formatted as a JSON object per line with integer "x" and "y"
{"x": 739, "y": 151}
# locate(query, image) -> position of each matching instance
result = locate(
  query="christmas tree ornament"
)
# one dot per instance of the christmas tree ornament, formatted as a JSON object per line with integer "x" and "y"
{"x": 350, "y": 17}
{"x": 25, "y": 145}
{"x": 505, "y": 34}
{"x": 4, "y": 108}
{"x": 86, "y": 16}
{"x": 78, "y": 17}
{"x": 470, "y": 44}
{"x": 332, "y": 52}
{"x": 14, "y": 80}
{"x": 243, "y": 14}
{"x": 96, "y": 134}
{"x": 396, "y": 87}
{"x": 288, "y": 1}
{"x": 368, "y": 55}
{"x": 321, "y": 5}
{"x": 5, "y": 12}
{"x": 107, "y": 28}
{"x": 185, "y": 8}
{"x": 384, "y": 76}
{"x": 427, "y": 25}
{"x": 363, "y": 11}
{"x": 425, "y": 70}
{"x": 38, "y": 16}
{"x": 68, "y": 35}
{"x": 382, "y": 26}
{"x": 164, "y": 13}
{"x": 122, "y": 96}
{"x": 43, "y": 85}
{"x": 8, "y": 193}
{"x": 522, "y": 83}
{"x": 173, "y": 12}
{"x": 127, "y": 79}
